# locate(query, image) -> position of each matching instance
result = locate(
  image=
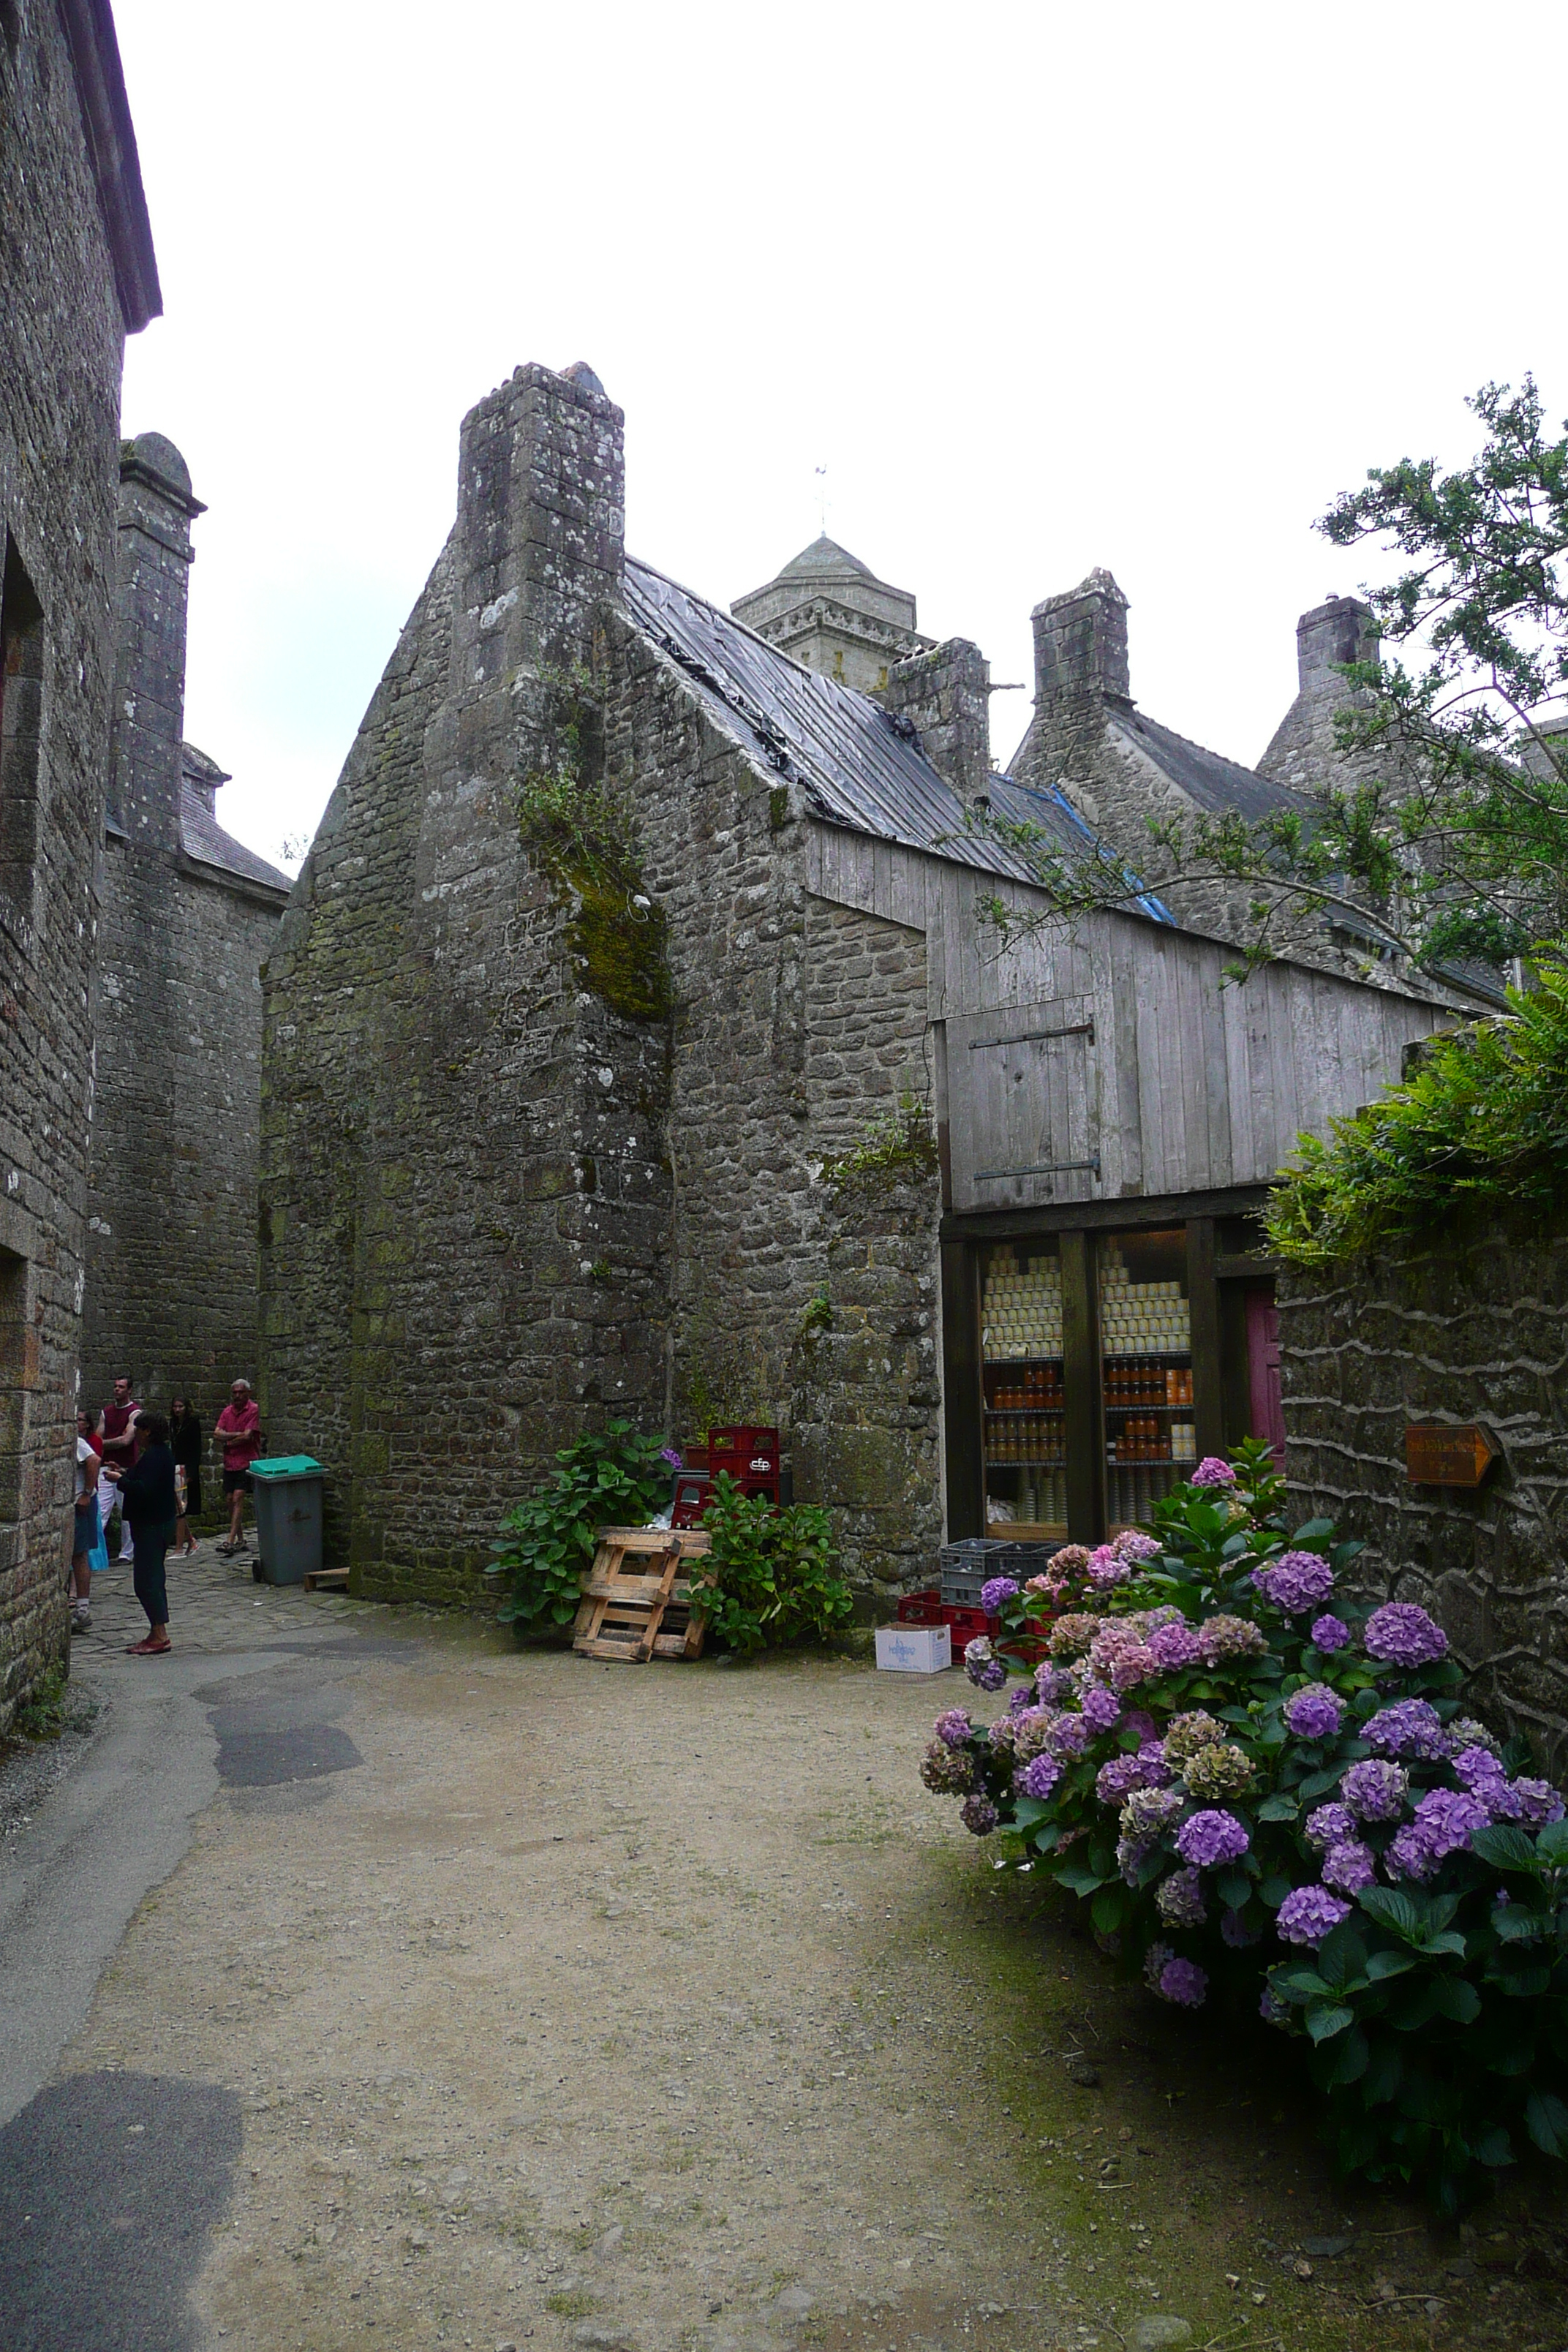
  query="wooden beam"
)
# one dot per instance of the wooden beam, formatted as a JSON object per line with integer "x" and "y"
{"x": 1208, "y": 1374}
{"x": 1083, "y": 1419}
{"x": 961, "y": 1392}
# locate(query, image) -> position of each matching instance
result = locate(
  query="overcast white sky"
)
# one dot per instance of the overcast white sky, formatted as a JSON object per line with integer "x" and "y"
{"x": 1043, "y": 287}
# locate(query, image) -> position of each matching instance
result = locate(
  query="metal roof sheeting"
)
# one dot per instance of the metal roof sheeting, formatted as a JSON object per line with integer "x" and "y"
{"x": 856, "y": 765}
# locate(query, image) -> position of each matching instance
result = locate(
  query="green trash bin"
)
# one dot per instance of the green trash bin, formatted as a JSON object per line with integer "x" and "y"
{"x": 287, "y": 1493}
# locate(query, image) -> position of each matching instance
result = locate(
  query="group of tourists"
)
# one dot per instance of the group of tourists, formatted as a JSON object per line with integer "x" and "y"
{"x": 145, "y": 1468}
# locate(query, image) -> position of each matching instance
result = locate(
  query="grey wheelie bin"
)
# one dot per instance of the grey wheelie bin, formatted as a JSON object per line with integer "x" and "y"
{"x": 287, "y": 1517}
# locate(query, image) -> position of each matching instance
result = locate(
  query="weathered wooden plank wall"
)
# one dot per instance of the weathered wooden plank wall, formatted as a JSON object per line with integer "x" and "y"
{"x": 1184, "y": 1085}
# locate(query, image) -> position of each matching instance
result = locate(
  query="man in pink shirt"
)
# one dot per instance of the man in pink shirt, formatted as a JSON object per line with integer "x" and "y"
{"x": 238, "y": 1431}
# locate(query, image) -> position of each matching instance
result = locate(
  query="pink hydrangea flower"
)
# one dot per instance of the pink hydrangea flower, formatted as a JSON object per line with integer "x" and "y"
{"x": 1212, "y": 1472}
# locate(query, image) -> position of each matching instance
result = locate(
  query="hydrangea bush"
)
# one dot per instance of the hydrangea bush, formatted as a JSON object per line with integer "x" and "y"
{"x": 1268, "y": 1791}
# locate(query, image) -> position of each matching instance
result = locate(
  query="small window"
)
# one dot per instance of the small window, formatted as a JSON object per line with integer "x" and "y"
{"x": 21, "y": 719}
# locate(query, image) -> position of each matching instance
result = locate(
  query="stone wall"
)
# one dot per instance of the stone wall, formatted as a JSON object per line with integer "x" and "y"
{"x": 170, "y": 1276}
{"x": 539, "y": 1150}
{"x": 61, "y": 358}
{"x": 1473, "y": 1332}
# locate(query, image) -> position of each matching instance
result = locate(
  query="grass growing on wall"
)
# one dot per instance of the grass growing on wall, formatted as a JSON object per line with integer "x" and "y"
{"x": 1481, "y": 1124}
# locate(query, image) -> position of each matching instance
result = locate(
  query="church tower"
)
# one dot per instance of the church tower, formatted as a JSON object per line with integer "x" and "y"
{"x": 828, "y": 612}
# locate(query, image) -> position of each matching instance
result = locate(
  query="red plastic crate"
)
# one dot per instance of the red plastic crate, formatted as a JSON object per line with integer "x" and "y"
{"x": 930, "y": 1609}
{"x": 746, "y": 1450}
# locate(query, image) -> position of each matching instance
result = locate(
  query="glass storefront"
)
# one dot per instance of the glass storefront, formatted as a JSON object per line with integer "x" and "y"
{"x": 1023, "y": 1439}
{"x": 1146, "y": 1369}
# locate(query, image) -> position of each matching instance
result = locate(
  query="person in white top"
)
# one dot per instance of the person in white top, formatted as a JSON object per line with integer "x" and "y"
{"x": 87, "y": 1532}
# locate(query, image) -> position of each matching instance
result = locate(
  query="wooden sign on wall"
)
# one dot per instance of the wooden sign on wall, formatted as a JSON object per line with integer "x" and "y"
{"x": 1448, "y": 1454}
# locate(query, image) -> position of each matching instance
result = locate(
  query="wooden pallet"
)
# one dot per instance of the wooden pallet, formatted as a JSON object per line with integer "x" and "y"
{"x": 327, "y": 1580}
{"x": 635, "y": 1604}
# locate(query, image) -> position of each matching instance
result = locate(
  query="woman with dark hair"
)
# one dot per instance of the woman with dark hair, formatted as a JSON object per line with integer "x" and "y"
{"x": 186, "y": 1445}
{"x": 148, "y": 1500}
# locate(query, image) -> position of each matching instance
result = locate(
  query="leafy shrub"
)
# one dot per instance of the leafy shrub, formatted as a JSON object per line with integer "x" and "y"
{"x": 612, "y": 1478}
{"x": 771, "y": 1576}
{"x": 897, "y": 1147}
{"x": 1265, "y": 1789}
{"x": 1482, "y": 1121}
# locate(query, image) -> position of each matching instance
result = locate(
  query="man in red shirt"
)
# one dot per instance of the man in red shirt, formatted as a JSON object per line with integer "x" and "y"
{"x": 238, "y": 1431}
{"x": 119, "y": 1454}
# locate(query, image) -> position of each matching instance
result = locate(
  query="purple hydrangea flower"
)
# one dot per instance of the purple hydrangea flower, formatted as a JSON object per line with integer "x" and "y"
{"x": 1003, "y": 1735}
{"x": 1234, "y": 1931}
{"x": 1212, "y": 1472}
{"x": 1101, "y": 1707}
{"x": 1145, "y": 1817}
{"x": 993, "y": 1594}
{"x": 1309, "y": 1913}
{"x": 1465, "y": 1732}
{"x": 1444, "y": 1820}
{"x": 1349, "y": 1866}
{"x": 979, "y": 1815}
{"x": 955, "y": 1726}
{"x": 1022, "y": 1700}
{"x": 984, "y": 1667}
{"x": 1116, "y": 1780}
{"x": 1539, "y": 1801}
{"x": 1106, "y": 1568}
{"x": 1175, "y": 1646}
{"x": 1315, "y": 1712}
{"x": 1052, "y": 1684}
{"x": 671, "y": 1454}
{"x": 1210, "y": 1837}
{"x": 1226, "y": 1637}
{"x": 1296, "y": 1581}
{"x": 1402, "y": 1635}
{"x": 1411, "y": 1727}
{"x": 1038, "y": 1777}
{"x": 1272, "y": 2011}
{"x": 1133, "y": 1544}
{"x": 1142, "y": 1725}
{"x": 1329, "y": 1825}
{"x": 1179, "y": 1899}
{"x": 1330, "y": 1633}
{"x": 1183, "y": 1983}
{"x": 1069, "y": 1735}
{"x": 1375, "y": 1790}
{"x": 948, "y": 1771}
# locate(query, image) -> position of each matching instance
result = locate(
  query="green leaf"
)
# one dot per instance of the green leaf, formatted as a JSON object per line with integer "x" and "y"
{"x": 1081, "y": 1882}
{"x": 1526, "y": 1984}
{"x": 1389, "y": 1964}
{"x": 1348, "y": 2061}
{"x": 1494, "y": 2149}
{"x": 1453, "y": 1943}
{"x": 1546, "y": 2121}
{"x": 1109, "y": 1909}
{"x": 1278, "y": 1807}
{"x": 1393, "y": 1911}
{"x": 1456, "y": 1998}
{"x": 1552, "y": 1843}
{"x": 1323, "y": 2023}
{"x": 1298, "y": 1985}
{"x": 1515, "y": 1923}
{"x": 1505, "y": 1850}
{"x": 1273, "y": 1890}
{"x": 1233, "y": 1889}
{"x": 1028, "y": 1810}
{"x": 1318, "y": 1784}
{"x": 1311, "y": 1536}
{"x": 1341, "y": 1955}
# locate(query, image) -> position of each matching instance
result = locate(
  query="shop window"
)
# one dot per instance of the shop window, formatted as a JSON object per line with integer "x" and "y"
{"x": 21, "y": 712}
{"x": 1146, "y": 1369}
{"x": 1024, "y": 1443}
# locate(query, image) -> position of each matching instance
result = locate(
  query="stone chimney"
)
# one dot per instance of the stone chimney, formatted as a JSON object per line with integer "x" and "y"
{"x": 151, "y": 582}
{"x": 1339, "y": 631}
{"x": 1081, "y": 641}
{"x": 540, "y": 524}
{"x": 945, "y": 694}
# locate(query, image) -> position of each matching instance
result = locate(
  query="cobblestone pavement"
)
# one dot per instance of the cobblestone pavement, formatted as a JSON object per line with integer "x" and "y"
{"x": 504, "y": 1996}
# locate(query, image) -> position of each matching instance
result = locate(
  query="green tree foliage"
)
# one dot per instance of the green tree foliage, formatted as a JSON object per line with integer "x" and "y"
{"x": 1481, "y": 1124}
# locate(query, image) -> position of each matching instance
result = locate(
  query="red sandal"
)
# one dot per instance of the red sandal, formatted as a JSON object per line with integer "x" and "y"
{"x": 148, "y": 1649}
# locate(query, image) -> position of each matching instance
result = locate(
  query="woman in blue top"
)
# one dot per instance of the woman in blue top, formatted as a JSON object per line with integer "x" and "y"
{"x": 148, "y": 1500}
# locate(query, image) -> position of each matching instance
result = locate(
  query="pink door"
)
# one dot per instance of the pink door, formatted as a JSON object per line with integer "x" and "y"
{"x": 1263, "y": 1369}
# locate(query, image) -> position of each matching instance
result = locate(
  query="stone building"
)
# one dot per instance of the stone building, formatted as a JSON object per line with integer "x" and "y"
{"x": 638, "y": 1042}
{"x": 77, "y": 276}
{"x": 829, "y": 611}
{"x": 1120, "y": 768}
{"x": 187, "y": 916}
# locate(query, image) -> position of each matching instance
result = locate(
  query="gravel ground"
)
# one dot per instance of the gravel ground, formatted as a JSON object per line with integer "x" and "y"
{"x": 661, "y": 2008}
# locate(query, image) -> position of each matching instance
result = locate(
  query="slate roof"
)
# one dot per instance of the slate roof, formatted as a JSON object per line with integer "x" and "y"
{"x": 824, "y": 560}
{"x": 1213, "y": 782}
{"x": 203, "y": 839}
{"x": 856, "y": 765}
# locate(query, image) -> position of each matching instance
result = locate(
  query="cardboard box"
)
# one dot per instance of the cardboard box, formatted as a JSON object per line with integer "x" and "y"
{"x": 914, "y": 1649}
